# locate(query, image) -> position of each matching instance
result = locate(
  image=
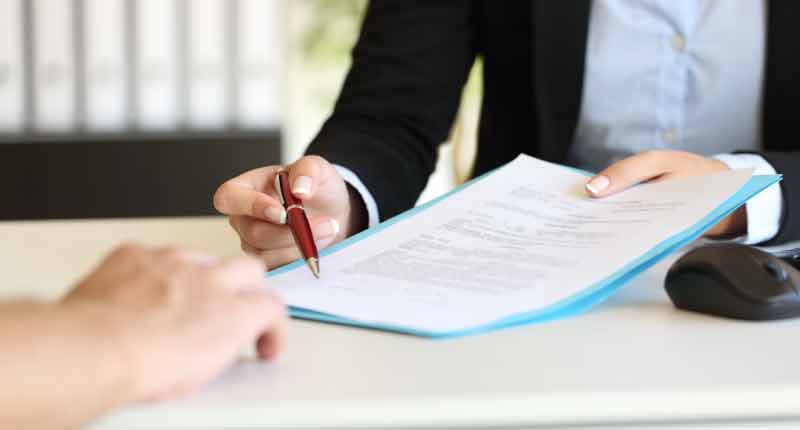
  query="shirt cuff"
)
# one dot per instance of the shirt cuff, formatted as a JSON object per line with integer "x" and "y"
{"x": 765, "y": 208}
{"x": 373, "y": 217}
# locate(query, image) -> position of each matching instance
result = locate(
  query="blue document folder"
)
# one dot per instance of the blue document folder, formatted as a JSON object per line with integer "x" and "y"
{"x": 575, "y": 304}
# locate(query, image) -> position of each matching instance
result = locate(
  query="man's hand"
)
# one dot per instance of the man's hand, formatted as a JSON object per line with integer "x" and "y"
{"x": 658, "y": 165}
{"x": 257, "y": 216}
{"x": 178, "y": 317}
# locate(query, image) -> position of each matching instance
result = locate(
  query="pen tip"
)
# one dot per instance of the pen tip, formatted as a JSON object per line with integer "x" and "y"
{"x": 313, "y": 264}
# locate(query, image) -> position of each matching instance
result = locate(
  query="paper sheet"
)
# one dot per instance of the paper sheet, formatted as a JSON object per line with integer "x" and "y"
{"x": 518, "y": 240}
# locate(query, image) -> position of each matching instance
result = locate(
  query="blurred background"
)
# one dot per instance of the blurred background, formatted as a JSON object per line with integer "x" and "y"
{"x": 119, "y": 108}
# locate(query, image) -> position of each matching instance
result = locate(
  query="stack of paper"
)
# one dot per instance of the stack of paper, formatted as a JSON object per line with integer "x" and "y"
{"x": 522, "y": 244}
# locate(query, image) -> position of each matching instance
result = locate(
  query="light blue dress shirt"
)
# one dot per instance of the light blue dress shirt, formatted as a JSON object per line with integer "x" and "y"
{"x": 671, "y": 74}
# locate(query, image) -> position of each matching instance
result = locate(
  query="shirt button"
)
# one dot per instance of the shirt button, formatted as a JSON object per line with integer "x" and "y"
{"x": 678, "y": 42}
{"x": 668, "y": 135}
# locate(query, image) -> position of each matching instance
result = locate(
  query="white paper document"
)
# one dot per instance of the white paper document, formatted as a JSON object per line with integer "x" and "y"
{"x": 518, "y": 240}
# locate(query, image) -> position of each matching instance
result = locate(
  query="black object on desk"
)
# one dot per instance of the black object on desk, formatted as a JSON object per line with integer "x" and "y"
{"x": 125, "y": 175}
{"x": 736, "y": 281}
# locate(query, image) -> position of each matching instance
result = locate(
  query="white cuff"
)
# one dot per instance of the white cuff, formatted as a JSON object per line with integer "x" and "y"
{"x": 765, "y": 208}
{"x": 352, "y": 179}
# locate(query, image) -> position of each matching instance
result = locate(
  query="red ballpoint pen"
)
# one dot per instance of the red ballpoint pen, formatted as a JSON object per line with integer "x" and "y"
{"x": 298, "y": 222}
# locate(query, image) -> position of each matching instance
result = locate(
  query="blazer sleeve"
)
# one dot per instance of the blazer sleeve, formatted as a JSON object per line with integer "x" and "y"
{"x": 400, "y": 96}
{"x": 786, "y": 164}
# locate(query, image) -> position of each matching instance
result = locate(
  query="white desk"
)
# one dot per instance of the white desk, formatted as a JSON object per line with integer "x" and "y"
{"x": 634, "y": 362}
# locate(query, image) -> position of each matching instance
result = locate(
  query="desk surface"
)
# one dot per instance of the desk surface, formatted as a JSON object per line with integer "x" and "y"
{"x": 633, "y": 361}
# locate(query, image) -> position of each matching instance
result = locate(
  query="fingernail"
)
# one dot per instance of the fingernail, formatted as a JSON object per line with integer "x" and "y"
{"x": 597, "y": 184}
{"x": 322, "y": 243}
{"x": 326, "y": 229}
{"x": 302, "y": 185}
{"x": 275, "y": 214}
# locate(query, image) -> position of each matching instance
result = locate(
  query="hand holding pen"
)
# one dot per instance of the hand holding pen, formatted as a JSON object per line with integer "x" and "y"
{"x": 297, "y": 221}
{"x": 256, "y": 213}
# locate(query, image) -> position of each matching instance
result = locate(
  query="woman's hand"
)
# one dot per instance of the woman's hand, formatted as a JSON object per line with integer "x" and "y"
{"x": 254, "y": 211}
{"x": 658, "y": 165}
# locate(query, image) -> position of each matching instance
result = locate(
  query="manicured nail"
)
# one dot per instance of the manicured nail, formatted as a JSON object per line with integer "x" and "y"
{"x": 275, "y": 214}
{"x": 326, "y": 229}
{"x": 597, "y": 184}
{"x": 322, "y": 243}
{"x": 334, "y": 226}
{"x": 302, "y": 185}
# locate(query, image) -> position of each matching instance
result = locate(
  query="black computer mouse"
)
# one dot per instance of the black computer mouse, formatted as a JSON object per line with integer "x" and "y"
{"x": 735, "y": 281}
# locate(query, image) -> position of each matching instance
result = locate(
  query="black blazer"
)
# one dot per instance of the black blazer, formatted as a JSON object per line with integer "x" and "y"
{"x": 412, "y": 59}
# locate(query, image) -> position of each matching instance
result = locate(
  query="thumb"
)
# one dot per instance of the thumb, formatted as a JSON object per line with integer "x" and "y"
{"x": 307, "y": 174}
{"x": 626, "y": 173}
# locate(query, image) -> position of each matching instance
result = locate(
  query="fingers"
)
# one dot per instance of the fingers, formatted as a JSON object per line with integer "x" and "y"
{"x": 261, "y": 234}
{"x": 251, "y": 194}
{"x": 261, "y": 313}
{"x": 648, "y": 166}
{"x": 628, "y": 172}
{"x": 251, "y": 250}
{"x": 268, "y": 236}
{"x": 182, "y": 255}
{"x": 128, "y": 259}
{"x": 270, "y": 343}
{"x": 238, "y": 275}
{"x": 306, "y": 174}
{"x": 274, "y": 257}
{"x": 273, "y": 337}
{"x": 278, "y": 257}
{"x": 125, "y": 257}
{"x": 264, "y": 318}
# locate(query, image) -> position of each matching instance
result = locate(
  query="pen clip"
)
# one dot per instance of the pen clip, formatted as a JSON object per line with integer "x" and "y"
{"x": 279, "y": 189}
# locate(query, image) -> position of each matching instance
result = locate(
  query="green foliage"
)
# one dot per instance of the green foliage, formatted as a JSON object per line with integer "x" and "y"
{"x": 332, "y": 30}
